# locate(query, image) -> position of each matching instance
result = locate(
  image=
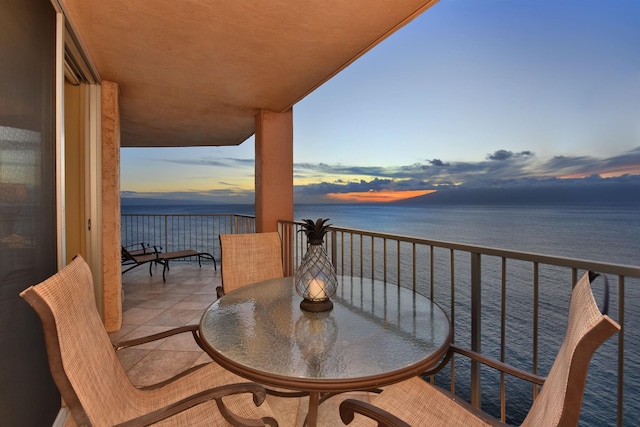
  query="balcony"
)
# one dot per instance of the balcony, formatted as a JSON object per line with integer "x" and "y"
{"x": 505, "y": 304}
{"x": 151, "y": 305}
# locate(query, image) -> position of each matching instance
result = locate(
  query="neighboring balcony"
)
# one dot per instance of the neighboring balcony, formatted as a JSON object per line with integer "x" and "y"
{"x": 509, "y": 305}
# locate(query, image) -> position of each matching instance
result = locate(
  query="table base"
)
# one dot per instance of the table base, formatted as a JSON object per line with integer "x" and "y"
{"x": 316, "y": 306}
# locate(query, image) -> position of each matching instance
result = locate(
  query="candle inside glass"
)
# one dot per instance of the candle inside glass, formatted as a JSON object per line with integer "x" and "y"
{"x": 316, "y": 289}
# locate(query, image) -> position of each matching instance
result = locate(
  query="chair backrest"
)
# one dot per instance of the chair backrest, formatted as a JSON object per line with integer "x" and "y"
{"x": 82, "y": 360}
{"x": 126, "y": 255}
{"x": 560, "y": 399}
{"x": 250, "y": 258}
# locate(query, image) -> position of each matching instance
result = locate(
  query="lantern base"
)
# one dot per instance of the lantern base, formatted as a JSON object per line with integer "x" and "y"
{"x": 316, "y": 306}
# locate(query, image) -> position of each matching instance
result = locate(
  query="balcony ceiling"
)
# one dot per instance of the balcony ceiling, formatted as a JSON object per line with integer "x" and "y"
{"x": 195, "y": 72}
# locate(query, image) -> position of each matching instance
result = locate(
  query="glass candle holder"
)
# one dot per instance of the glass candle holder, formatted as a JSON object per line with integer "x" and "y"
{"x": 315, "y": 280}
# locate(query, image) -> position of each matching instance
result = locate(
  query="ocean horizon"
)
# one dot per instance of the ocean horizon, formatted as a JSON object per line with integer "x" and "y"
{"x": 587, "y": 230}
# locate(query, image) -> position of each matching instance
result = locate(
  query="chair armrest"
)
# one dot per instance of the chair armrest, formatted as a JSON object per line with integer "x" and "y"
{"x": 146, "y": 248}
{"x": 194, "y": 329}
{"x": 445, "y": 360}
{"x": 500, "y": 366}
{"x": 216, "y": 394}
{"x": 349, "y": 407}
{"x": 219, "y": 292}
{"x": 135, "y": 245}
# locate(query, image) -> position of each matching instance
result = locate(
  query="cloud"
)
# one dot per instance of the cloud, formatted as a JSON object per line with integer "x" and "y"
{"x": 224, "y": 196}
{"x": 505, "y": 155}
{"x": 581, "y": 166}
{"x": 437, "y": 162}
{"x": 227, "y": 162}
{"x": 324, "y": 169}
{"x": 502, "y": 170}
{"x": 500, "y": 155}
{"x": 623, "y": 189}
{"x": 341, "y": 187}
{"x": 502, "y": 175}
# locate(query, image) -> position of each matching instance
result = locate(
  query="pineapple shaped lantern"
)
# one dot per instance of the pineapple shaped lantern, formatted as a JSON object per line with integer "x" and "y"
{"x": 315, "y": 278}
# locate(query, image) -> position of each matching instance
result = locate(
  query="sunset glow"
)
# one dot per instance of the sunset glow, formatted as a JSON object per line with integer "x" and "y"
{"x": 378, "y": 196}
{"x": 610, "y": 173}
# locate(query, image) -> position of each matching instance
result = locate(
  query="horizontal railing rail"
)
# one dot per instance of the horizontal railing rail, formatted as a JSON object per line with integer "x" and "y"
{"x": 509, "y": 305}
{"x": 175, "y": 232}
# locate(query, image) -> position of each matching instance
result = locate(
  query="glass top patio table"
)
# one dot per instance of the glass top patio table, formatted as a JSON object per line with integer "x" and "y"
{"x": 375, "y": 335}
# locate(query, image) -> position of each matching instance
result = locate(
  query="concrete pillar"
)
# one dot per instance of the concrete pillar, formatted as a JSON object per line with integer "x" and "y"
{"x": 274, "y": 169}
{"x": 111, "y": 251}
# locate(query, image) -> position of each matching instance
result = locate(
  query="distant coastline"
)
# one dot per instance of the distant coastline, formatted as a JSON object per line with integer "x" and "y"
{"x": 593, "y": 189}
{"x": 471, "y": 197}
{"x": 532, "y": 195}
{"x": 146, "y": 201}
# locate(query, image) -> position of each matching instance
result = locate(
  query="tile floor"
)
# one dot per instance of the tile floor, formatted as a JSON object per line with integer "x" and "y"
{"x": 152, "y": 306}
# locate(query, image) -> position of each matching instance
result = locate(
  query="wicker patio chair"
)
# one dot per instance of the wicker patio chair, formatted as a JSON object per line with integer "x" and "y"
{"x": 249, "y": 258}
{"x": 94, "y": 385}
{"x": 415, "y": 402}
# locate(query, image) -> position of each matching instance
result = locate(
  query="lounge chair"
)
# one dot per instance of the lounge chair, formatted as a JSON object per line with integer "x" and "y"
{"x": 249, "y": 258}
{"x": 94, "y": 385}
{"x": 143, "y": 249}
{"x": 415, "y": 402}
{"x": 131, "y": 261}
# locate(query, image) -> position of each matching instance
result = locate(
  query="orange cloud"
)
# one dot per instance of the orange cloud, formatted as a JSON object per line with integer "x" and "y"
{"x": 378, "y": 196}
{"x": 611, "y": 173}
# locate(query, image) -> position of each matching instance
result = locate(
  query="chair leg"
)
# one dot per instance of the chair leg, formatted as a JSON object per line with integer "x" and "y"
{"x": 165, "y": 268}
{"x": 215, "y": 265}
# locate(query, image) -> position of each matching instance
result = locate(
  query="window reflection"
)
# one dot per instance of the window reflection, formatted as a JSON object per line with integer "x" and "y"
{"x": 19, "y": 173}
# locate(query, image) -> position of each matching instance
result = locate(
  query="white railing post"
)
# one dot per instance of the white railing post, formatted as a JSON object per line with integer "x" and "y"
{"x": 166, "y": 232}
{"x": 334, "y": 248}
{"x": 476, "y": 321}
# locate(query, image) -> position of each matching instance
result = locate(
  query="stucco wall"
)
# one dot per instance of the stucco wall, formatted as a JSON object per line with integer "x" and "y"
{"x": 274, "y": 169}
{"x": 111, "y": 252}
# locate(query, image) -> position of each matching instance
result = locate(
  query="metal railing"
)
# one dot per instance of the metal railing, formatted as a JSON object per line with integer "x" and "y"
{"x": 174, "y": 232}
{"x": 508, "y": 305}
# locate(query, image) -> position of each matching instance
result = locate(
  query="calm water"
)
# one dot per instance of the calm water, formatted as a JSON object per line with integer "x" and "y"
{"x": 606, "y": 233}
{"x": 609, "y": 233}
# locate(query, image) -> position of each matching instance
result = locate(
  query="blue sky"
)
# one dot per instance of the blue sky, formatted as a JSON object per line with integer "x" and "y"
{"x": 471, "y": 95}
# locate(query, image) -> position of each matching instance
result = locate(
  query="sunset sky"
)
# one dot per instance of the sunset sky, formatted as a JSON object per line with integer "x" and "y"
{"x": 471, "y": 95}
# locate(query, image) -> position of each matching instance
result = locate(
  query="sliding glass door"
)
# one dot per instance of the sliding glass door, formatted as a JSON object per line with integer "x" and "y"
{"x": 28, "y": 251}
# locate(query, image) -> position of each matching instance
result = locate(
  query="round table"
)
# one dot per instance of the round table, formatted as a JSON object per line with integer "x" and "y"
{"x": 376, "y": 334}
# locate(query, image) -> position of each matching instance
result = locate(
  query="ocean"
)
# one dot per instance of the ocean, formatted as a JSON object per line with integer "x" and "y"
{"x": 593, "y": 231}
